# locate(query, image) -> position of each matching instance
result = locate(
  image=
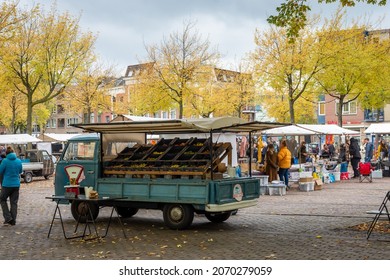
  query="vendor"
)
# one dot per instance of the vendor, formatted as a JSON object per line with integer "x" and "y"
{"x": 302, "y": 153}
{"x": 325, "y": 153}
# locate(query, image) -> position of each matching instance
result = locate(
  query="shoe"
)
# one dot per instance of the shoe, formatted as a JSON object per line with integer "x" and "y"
{"x": 9, "y": 223}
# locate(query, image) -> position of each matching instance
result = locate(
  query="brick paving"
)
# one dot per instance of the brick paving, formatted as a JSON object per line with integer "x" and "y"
{"x": 297, "y": 226}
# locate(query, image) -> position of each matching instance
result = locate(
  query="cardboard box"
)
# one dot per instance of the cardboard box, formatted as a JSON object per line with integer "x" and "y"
{"x": 317, "y": 184}
{"x": 306, "y": 180}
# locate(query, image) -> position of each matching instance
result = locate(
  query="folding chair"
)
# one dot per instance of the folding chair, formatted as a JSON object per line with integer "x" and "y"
{"x": 365, "y": 171}
{"x": 383, "y": 210}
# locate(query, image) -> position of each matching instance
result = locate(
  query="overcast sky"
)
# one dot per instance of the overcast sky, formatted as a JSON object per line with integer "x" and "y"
{"x": 125, "y": 26}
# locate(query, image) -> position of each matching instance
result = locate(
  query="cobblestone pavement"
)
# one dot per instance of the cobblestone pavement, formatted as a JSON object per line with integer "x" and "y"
{"x": 297, "y": 226}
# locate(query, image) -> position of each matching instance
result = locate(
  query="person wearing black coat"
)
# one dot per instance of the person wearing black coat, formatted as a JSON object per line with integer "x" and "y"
{"x": 354, "y": 151}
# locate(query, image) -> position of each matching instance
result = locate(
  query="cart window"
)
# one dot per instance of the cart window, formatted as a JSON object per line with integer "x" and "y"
{"x": 80, "y": 151}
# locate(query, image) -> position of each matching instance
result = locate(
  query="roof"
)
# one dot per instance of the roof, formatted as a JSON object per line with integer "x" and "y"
{"x": 380, "y": 128}
{"x": 332, "y": 129}
{"x": 56, "y": 137}
{"x": 223, "y": 124}
{"x": 289, "y": 130}
{"x": 17, "y": 139}
{"x": 134, "y": 118}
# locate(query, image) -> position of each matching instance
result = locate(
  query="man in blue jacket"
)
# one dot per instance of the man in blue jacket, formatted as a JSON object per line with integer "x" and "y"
{"x": 369, "y": 149}
{"x": 10, "y": 170}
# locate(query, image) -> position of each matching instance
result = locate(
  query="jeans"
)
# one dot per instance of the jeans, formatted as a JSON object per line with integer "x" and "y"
{"x": 13, "y": 194}
{"x": 283, "y": 175}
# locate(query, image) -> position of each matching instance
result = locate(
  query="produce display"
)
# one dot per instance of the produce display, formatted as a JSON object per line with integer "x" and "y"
{"x": 190, "y": 157}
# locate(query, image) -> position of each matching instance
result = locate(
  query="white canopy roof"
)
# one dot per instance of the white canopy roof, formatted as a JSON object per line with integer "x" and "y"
{"x": 333, "y": 129}
{"x": 17, "y": 139}
{"x": 219, "y": 125}
{"x": 56, "y": 137}
{"x": 288, "y": 130}
{"x": 380, "y": 128}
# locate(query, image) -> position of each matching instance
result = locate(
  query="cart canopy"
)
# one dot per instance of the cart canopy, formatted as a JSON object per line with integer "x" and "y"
{"x": 223, "y": 124}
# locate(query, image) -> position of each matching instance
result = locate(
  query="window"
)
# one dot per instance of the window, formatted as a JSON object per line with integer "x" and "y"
{"x": 321, "y": 108}
{"x": 165, "y": 115}
{"x": 60, "y": 109}
{"x": 80, "y": 151}
{"x": 61, "y": 123}
{"x": 349, "y": 108}
{"x": 173, "y": 114}
{"x": 72, "y": 121}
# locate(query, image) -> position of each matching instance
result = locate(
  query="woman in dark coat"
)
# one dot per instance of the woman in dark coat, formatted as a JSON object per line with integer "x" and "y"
{"x": 271, "y": 166}
{"x": 355, "y": 156}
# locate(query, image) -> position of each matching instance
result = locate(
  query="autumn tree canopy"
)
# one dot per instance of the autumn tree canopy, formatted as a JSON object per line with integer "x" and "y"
{"x": 176, "y": 60}
{"x": 43, "y": 55}
{"x": 292, "y": 14}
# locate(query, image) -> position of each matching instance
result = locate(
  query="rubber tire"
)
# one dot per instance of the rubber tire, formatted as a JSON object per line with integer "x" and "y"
{"x": 218, "y": 217}
{"x": 46, "y": 177}
{"x": 127, "y": 212}
{"x": 28, "y": 177}
{"x": 178, "y": 216}
{"x": 77, "y": 207}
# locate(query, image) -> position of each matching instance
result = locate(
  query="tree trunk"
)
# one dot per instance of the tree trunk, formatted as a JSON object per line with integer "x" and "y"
{"x": 291, "y": 107}
{"x": 340, "y": 115}
{"x": 29, "y": 113}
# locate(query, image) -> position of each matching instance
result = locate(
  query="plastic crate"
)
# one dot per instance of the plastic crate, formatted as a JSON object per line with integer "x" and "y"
{"x": 276, "y": 189}
{"x": 306, "y": 187}
{"x": 264, "y": 189}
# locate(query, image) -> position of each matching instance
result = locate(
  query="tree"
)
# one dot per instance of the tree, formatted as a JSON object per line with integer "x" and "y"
{"x": 293, "y": 13}
{"x": 288, "y": 68}
{"x": 353, "y": 66}
{"x": 44, "y": 55}
{"x": 88, "y": 92}
{"x": 175, "y": 64}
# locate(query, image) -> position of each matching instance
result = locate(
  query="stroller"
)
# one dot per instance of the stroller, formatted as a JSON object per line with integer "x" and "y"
{"x": 365, "y": 170}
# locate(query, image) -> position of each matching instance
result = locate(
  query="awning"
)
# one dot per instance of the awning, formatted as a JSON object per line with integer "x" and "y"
{"x": 17, "y": 139}
{"x": 290, "y": 130}
{"x": 328, "y": 129}
{"x": 379, "y": 128}
{"x": 56, "y": 137}
{"x": 223, "y": 124}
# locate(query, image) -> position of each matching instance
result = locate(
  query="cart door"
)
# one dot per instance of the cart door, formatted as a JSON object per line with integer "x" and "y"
{"x": 84, "y": 153}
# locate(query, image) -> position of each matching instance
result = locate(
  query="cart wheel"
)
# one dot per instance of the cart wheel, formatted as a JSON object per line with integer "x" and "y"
{"x": 28, "y": 177}
{"x": 178, "y": 216}
{"x": 127, "y": 212}
{"x": 46, "y": 177}
{"x": 80, "y": 212}
{"x": 218, "y": 217}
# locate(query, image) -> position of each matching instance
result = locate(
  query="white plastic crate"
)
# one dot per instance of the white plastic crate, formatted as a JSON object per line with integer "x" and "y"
{"x": 277, "y": 189}
{"x": 377, "y": 174}
{"x": 305, "y": 174}
{"x": 306, "y": 187}
{"x": 263, "y": 180}
{"x": 263, "y": 189}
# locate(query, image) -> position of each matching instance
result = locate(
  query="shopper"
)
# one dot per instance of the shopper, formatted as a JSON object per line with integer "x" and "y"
{"x": 284, "y": 162}
{"x": 369, "y": 150}
{"x": 355, "y": 157}
{"x": 383, "y": 150}
{"x": 271, "y": 167}
{"x": 10, "y": 170}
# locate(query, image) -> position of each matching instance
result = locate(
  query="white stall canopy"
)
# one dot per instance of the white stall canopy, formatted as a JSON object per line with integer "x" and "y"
{"x": 56, "y": 137}
{"x": 17, "y": 139}
{"x": 329, "y": 129}
{"x": 378, "y": 128}
{"x": 288, "y": 131}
